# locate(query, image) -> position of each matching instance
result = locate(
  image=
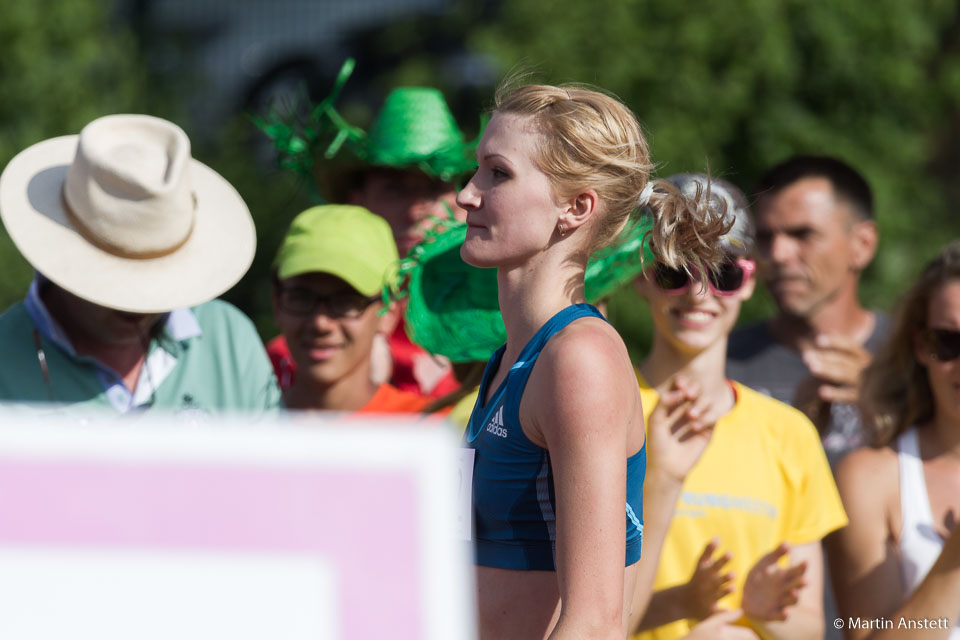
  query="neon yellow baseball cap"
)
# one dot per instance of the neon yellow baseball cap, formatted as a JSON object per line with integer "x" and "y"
{"x": 346, "y": 241}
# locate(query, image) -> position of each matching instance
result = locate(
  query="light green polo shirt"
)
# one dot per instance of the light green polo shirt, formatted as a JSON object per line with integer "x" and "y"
{"x": 207, "y": 359}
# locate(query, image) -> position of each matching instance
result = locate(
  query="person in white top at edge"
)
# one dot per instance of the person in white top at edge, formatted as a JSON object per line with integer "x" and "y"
{"x": 896, "y": 567}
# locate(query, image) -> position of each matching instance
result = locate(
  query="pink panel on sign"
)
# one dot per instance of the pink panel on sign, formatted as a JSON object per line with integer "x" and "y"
{"x": 363, "y": 523}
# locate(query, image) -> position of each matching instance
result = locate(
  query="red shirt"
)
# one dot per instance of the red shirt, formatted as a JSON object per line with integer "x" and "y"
{"x": 417, "y": 371}
{"x": 389, "y": 399}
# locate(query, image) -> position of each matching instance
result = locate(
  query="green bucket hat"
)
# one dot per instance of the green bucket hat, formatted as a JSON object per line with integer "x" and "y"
{"x": 416, "y": 130}
{"x": 452, "y": 307}
{"x": 413, "y": 130}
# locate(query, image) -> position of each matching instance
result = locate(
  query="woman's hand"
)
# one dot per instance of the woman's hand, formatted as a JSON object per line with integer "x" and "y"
{"x": 770, "y": 589}
{"x": 677, "y": 433}
{"x": 708, "y": 584}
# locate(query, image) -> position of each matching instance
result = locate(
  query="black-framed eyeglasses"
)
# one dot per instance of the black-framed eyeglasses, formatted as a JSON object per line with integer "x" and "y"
{"x": 299, "y": 301}
{"x": 944, "y": 344}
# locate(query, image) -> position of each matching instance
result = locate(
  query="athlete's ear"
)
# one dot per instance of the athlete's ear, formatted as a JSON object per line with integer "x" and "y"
{"x": 579, "y": 210}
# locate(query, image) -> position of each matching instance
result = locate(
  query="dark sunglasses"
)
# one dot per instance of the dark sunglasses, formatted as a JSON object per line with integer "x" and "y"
{"x": 304, "y": 302}
{"x": 726, "y": 281}
{"x": 944, "y": 344}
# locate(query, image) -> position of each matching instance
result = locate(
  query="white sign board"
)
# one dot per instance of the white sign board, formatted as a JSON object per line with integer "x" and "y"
{"x": 335, "y": 530}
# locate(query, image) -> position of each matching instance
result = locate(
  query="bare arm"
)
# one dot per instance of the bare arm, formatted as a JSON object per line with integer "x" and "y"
{"x": 863, "y": 566}
{"x": 584, "y": 403}
{"x": 936, "y": 600}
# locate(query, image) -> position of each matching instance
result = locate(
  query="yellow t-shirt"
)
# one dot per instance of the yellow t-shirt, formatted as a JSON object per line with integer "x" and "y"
{"x": 763, "y": 479}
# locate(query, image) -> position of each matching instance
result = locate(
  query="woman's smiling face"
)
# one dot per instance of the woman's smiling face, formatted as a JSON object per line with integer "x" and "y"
{"x": 512, "y": 208}
{"x": 695, "y": 320}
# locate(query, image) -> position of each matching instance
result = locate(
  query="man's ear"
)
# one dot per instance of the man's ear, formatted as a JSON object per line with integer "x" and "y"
{"x": 580, "y": 210}
{"x": 863, "y": 244}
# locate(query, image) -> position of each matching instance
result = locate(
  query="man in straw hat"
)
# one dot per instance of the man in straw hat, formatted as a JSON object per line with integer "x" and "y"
{"x": 406, "y": 169}
{"x": 130, "y": 239}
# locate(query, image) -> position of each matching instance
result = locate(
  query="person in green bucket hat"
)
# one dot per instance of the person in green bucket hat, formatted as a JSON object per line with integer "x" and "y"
{"x": 411, "y": 163}
{"x": 407, "y": 169}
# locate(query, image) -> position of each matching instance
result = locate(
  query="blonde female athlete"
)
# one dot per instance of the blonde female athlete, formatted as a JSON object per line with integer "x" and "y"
{"x": 558, "y": 425}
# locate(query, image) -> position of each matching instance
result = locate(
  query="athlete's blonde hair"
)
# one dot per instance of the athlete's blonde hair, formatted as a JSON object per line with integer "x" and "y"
{"x": 896, "y": 393}
{"x": 590, "y": 140}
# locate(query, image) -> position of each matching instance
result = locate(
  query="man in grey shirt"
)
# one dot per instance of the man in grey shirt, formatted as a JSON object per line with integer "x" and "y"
{"x": 815, "y": 236}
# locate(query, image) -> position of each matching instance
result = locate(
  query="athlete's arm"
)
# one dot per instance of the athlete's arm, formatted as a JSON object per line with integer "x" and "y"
{"x": 583, "y": 401}
{"x": 863, "y": 556}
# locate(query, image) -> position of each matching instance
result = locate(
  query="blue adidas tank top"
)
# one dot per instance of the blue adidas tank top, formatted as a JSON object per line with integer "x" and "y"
{"x": 513, "y": 496}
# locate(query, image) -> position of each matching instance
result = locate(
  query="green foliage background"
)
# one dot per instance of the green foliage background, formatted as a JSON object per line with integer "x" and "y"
{"x": 729, "y": 87}
{"x": 61, "y": 66}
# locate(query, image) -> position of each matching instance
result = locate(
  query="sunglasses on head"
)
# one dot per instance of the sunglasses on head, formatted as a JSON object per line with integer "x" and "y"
{"x": 944, "y": 344}
{"x": 728, "y": 279}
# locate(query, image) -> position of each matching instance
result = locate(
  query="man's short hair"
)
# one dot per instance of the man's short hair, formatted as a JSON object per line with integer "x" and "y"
{"x": 847, "y": 183}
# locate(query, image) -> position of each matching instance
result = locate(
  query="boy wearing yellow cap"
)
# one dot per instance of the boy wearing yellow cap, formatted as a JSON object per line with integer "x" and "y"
{"x": 326, "y": 296}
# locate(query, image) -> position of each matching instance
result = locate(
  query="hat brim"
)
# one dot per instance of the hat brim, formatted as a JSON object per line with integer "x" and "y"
{"x": 215, "y": 256}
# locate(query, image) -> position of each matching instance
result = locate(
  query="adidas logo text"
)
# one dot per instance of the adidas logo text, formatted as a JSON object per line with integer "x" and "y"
{"x": 495, "y": 426}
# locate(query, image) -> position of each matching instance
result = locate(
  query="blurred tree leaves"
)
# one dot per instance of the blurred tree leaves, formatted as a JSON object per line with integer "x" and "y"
{"x": 734, "y": 87}
{"x": 62, "y": 64}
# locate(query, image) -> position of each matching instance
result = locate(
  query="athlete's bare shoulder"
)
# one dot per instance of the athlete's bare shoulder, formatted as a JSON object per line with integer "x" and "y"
{"x": 583, "y": 375}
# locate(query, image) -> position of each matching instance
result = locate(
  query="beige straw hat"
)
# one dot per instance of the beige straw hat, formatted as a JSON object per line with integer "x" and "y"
{"x": 124, "y": 217}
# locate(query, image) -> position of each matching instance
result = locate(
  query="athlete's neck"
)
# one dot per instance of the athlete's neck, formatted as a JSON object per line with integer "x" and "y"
{"x": 531, "y": 294}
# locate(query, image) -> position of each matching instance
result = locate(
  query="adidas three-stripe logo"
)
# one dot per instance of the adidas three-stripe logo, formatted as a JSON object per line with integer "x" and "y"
{"x": 495, "y": 426}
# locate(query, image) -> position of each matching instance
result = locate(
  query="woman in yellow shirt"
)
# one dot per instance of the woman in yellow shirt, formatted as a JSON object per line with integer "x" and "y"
{"x": 762, "y": 489}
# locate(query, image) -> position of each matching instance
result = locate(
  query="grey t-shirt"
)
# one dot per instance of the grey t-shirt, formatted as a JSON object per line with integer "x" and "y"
{"x": 757, "y": 360}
